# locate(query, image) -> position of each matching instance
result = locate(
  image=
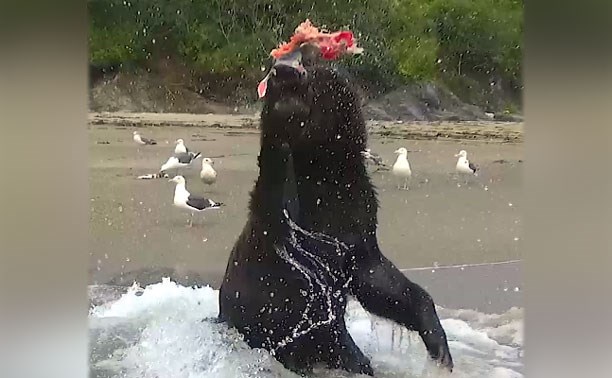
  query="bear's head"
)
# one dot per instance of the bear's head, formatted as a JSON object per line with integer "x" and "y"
{"x": 307, "y": 100}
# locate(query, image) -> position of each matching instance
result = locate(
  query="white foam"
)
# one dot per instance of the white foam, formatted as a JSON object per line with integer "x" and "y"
{"x": 161, "y": 331}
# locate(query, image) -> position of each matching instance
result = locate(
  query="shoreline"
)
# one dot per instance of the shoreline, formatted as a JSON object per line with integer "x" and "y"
{"x": 491, "y": 288}
{"x": 497, "y": 132}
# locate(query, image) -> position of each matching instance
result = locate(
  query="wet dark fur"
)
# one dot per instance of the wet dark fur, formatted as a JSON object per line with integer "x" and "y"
{"x": 310, "y": 163}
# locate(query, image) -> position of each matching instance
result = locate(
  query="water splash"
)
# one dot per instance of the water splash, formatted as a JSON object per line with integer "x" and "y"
{"x": 164, "y": 330}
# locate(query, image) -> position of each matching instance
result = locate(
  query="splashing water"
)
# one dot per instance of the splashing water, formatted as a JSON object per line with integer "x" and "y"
{"x": 168, "y": 330}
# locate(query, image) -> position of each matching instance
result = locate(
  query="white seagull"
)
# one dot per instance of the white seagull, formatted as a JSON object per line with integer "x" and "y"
{"x": 401, "y": 168}
{"x": 208, "y": 173}
{"x": 463, "y": 164}
{"x": 140, "y": 140}
{"x": 178, "y": 161}
{"x": 185, "y": 200}
{"x": 180, "y": 147}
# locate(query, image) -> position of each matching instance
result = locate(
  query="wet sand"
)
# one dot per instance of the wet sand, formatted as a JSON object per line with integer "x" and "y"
{"x": 136, "y": 233}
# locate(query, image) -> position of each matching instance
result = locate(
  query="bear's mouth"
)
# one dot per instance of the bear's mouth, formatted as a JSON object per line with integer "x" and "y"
{"x": 289, "y": 88}
{"x": 287, "y": 71}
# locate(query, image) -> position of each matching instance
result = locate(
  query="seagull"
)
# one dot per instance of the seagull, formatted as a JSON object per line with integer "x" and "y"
{"x": 208, "y": 173}
{"x": 180, "y": 147}
{"x": 185, "y": 200}
{"x": 373, "y": 158}
{"x": 179, "y": 161}
{"x": 140, "y": 140}
{"x": 463, "y": 164}
{"x": 401, "y": 168}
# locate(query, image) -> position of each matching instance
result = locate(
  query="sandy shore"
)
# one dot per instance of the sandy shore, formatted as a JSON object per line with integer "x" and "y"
{"x": 136, "y": 233}
{"x": 485, "y": 131}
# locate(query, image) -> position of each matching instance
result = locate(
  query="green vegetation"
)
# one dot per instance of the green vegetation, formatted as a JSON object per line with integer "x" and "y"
{"x": 454, "y": 42}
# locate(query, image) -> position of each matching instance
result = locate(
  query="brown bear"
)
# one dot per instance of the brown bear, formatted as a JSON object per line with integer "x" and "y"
{"x": 310, "y": 239}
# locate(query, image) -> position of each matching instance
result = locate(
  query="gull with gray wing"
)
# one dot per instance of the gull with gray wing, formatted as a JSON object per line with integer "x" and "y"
{"x": 187, "y": 201}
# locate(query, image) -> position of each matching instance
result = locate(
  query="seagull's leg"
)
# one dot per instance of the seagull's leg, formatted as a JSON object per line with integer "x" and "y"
{"x": 191, "y": 220}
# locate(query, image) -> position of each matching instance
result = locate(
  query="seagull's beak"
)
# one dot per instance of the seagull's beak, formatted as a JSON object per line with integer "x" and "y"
{"x": 396, "y": 151}
{"x": 457, "y": 155}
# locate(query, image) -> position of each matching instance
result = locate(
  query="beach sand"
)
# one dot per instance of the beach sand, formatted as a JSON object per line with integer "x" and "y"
{"x": 136, "y": 234}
